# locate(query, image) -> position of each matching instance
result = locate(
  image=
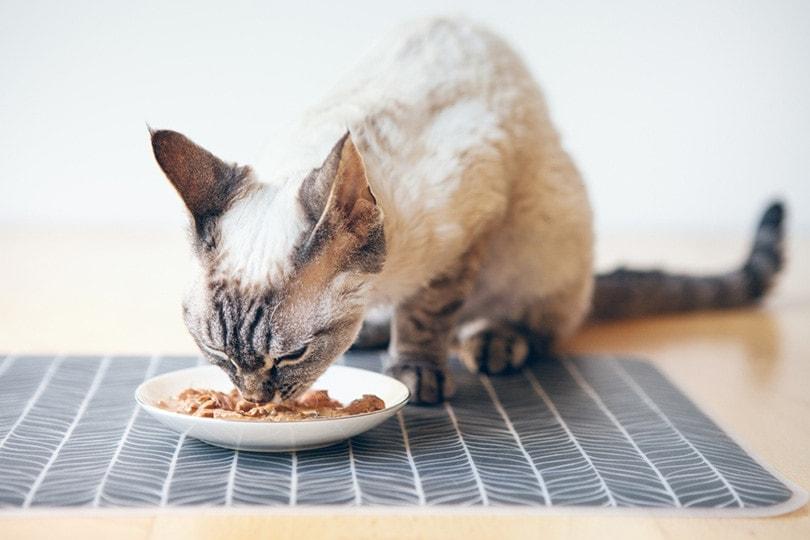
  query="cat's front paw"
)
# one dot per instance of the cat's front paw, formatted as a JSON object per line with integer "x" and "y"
{"x": 492, "y": 348}
{"x": 428, "y": 382}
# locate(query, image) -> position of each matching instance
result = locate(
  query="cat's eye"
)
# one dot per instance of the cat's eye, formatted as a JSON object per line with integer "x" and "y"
{"x": 293, "y": 355}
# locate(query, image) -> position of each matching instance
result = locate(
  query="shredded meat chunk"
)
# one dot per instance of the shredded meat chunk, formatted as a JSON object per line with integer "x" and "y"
{"x": 312, "y": 404}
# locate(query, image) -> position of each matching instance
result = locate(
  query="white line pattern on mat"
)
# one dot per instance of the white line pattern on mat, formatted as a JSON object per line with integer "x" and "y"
{"x": 293, "y": 478}
{"x": 538, "y": 389}
{"x": 499, "y": 406}
{"x": 626, "y": 377}
{"x": 478, "y": 482}
{"x": 231, "y": 479}
{"x": 596, "y": 432}
{"x": 580, "y": 380}
{"x": 150, "y": 370}
{"x": 358, "y": 496}
{"x": 164, "y": 494}
{"x": 41, "y": 388}
{"x": 102, "y": 369}
{"x": 417, "y": 480}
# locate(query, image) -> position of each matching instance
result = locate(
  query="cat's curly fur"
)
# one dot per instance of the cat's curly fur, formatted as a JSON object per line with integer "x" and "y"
{"x": 448, "y": 201}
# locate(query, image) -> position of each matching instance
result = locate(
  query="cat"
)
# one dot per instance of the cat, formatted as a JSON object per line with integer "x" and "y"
{"x": 430, "y": 194}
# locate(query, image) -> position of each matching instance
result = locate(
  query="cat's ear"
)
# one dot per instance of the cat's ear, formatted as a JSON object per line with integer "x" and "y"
{"x": 337, "y": 198}
{"x": 205, "y": 183}
{"x": 351, "y": 191}
{"x": 339, "y": 185}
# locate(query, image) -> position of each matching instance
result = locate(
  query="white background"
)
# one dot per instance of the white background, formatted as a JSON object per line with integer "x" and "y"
{"x": 681, "y": 115}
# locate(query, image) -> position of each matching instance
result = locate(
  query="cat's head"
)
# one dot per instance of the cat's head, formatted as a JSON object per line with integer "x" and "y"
{"x": 281, "y": 271}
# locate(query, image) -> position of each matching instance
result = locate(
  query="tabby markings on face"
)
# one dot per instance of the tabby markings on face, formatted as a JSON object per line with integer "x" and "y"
{"x": 283, "y": 272}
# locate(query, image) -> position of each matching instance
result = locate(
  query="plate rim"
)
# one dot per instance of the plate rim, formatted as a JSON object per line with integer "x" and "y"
{"x": 155, "y": 409}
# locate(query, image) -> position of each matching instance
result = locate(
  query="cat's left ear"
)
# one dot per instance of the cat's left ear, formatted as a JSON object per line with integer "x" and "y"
{"x": 206, "y": 184}
{"x": 338, "y": 201}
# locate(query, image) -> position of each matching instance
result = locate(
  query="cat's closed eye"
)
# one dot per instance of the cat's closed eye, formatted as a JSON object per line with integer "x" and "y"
{"x": 292, "y": 356}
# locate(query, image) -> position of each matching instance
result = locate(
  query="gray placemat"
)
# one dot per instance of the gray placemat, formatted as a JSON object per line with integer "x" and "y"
{"x": 576, "y": 433}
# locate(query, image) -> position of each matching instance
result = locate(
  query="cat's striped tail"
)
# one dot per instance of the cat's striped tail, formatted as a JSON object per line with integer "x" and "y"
{"x": 626, "y": 293}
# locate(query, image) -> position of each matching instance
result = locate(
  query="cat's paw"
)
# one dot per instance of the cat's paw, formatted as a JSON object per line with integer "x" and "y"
{"x": 428, "y": 382}
{"x": 492, "y": 348}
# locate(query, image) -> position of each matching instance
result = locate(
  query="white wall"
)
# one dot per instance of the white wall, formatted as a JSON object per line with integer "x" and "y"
{"x": 680, "y": 114}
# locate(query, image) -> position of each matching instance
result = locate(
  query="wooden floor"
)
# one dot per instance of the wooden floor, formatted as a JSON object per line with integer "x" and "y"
{"x": 118, "y": 291}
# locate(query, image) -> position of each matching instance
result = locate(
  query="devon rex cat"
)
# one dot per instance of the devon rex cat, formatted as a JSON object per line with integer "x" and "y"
{"x": 430, "y": 184}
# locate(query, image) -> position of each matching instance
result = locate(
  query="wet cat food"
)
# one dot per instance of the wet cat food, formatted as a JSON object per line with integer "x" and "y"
{"x": 232, "y": 406}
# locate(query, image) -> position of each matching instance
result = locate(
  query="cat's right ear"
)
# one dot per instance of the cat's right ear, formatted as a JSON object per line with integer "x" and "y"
{"x": 206, "y": 184}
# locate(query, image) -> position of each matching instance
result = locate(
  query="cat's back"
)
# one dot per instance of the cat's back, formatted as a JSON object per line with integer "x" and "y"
{"x": 433, "y": 61}
{"x": 438, "y": 52}
{"x": 452, "y": 129}
{"x": 427, "y": 78}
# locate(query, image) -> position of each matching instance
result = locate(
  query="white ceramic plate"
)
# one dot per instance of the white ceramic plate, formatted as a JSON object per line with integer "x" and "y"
{"x": 343, "y": 383}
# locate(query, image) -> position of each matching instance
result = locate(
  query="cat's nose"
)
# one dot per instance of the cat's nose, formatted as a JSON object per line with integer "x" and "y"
{"x": 253, "y": 387}
{"x": 252, "y": 396}
{"x": 263, "y": 396}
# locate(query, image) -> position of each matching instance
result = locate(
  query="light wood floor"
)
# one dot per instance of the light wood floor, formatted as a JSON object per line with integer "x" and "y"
{"x": 118, "y": 291}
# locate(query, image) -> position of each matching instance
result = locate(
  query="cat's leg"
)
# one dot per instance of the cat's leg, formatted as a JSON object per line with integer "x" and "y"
{"x": 422, "y": 333}
{"x": 376, "y": 330}
{"x": 492, "y": 345}
{"x": 373, "y": 335}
